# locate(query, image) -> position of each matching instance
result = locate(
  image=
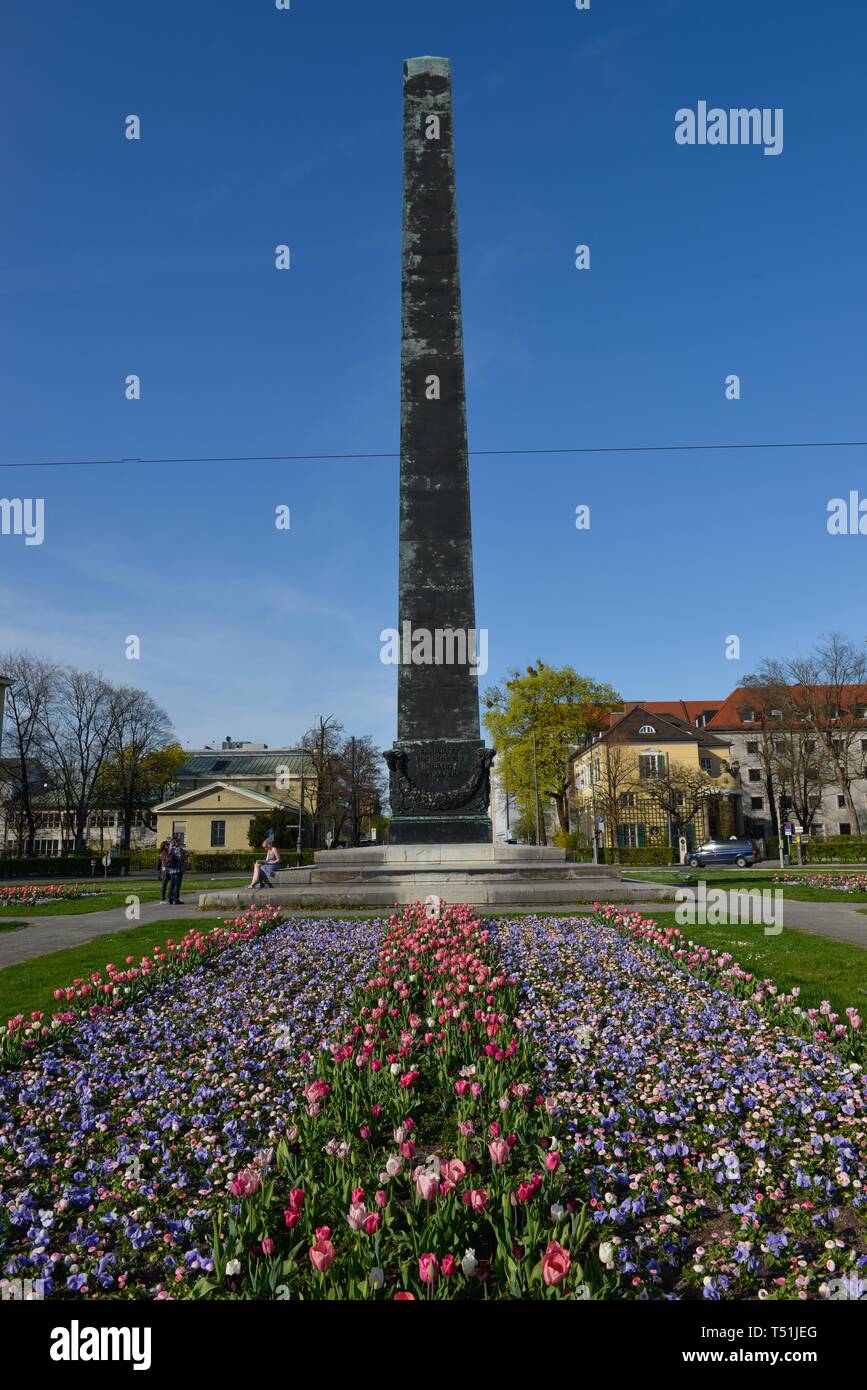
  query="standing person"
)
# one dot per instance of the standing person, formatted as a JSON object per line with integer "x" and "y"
{"x": 177, "y": 862}
{"x": 164, "y": 873}
{"x": 264, "y": 868}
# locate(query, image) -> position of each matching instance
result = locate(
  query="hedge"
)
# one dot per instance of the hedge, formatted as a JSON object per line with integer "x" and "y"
{"x": 63, "y": 866}
{"x": 844, "y": 849}
{"x": 626, "y": 854}
{"x": 78, "y": 866}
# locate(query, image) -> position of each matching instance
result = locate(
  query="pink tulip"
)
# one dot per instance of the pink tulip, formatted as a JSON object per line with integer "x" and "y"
{"x": 552, "y": 1161}
{"x": 499, "y": 1150}
{"x": 245, "y": 1184}
{"x": 448, "y": 1266}
{"x": 370, "y": 1225}
{"x": 268, "y": 1246}
{"x": 555, "y": 1263}
{"x": 428, "y": 1186}
{"x": 454, "y": 1171}
{"x": 428, "y": 1268}
{"x": 357, "y": 1215}
{"x": 477, "y": 1198}
{"x": 322, "y": 1253}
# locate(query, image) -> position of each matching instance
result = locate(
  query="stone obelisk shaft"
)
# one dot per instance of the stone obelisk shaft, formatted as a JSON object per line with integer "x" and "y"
{"x": 438, "y": 757}
{"x": 436, "y": 553}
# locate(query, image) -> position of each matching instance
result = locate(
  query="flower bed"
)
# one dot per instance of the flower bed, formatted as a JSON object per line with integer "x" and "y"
{"x": 97, "y": 995}
{"x": 720, "y": 1156}
{"x": 117, "y": 1145}
{"x": 437, "y": 1108}
{"x": 837, "y": 883}
{"x": 821, "y": 1025}
{"x": 422, "y": 1164}
{"x": 36, "y": 894}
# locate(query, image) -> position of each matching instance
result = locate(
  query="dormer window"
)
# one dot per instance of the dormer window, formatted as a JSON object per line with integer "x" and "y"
{"x": 647, "y": 729}
{"x": 748, "y": 716}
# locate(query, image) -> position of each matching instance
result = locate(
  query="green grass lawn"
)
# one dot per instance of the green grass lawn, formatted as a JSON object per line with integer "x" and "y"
{"x": 112, "y": 895}
{"x": 824, "y": 969}
{"x": 748, "y": 878}
{"x": 31, "y": 983}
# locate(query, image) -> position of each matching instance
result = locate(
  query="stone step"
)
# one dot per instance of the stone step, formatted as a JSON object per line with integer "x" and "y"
{"x": 469, "y": 873}
{"x": 502, "y": 893}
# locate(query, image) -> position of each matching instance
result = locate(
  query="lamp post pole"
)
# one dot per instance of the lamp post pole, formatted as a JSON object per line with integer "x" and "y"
{"x": 352, "y": 807}
{"x": 300, "y": 815}
{"x": 536, "y": 791}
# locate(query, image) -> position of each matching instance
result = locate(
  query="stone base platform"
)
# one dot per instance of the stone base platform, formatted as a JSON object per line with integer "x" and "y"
{"x": 513, "y": 875}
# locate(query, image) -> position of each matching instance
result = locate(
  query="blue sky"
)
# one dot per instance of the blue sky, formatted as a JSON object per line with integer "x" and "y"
{"x": 261, "y": 127}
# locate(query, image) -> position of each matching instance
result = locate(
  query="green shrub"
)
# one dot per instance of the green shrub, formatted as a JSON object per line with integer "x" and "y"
{"x": 62, "y": 866}
{"x": 845, "y": 849}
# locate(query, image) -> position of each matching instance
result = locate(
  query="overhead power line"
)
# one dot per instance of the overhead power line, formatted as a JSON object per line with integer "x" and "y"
{"x": 475, "y": 453}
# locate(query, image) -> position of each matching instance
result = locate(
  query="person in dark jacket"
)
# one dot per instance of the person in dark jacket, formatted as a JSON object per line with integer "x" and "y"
{"x": 164, "y": 873}
{"x": 175, "y": 864}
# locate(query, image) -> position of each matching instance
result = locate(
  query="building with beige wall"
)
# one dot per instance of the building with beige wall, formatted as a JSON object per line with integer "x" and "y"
{"x": 219, "y": 791}
{"x": 634, "y": 776}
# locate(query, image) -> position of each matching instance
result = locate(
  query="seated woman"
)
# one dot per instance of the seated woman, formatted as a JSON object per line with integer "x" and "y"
{"x": 264, "y": 869}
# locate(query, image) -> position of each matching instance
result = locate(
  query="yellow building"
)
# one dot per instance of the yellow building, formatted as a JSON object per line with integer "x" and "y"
{"x": 651, "y": 777}
{"x": 219, "y": 791}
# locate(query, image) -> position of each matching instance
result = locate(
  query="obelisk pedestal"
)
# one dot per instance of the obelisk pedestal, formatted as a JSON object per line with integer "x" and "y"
{"x": 439, "y": 766}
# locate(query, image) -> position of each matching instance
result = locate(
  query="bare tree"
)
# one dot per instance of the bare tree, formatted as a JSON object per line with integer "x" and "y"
{"x": 369, "y": 779}
{"x": 140, "y": 728}
{"x": 77, "y": 725}
{"x": 826, "y": 693}
{"x": 614, "y": 770}
{"x": 322, "y": 745}
{"x": 34, "y": 683}
{"x": 681, "y": 793}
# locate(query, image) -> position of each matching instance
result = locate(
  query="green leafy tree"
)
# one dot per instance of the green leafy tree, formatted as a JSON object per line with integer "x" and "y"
{"x": 560, "y": 709}
{"x": 284, "y": 822}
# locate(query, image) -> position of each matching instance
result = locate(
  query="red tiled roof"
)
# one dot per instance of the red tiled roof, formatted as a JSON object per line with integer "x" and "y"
{"x": 728, "y": 714}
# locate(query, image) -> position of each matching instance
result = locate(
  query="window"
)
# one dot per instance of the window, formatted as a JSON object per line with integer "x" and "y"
{"x": 860, "y": 711}
{"x": 647, "y": 729}
{"x": 752, "y": 745}
{"x": 218, "y": 833}
{"x": 651, "y": 766}
{"x": 845, "y": 828}
{"x": 179, "y": 831}
{"x": 776, "y": 714}
{"x": 757, "y": 803}
{"x": 631, "y": 836}
{"x": 220, "y": 765}
{"x": 817, "y": 831}
{"x": 841, "y": 803}
{"x": 748, "y": 716}
{"x": 707, "y": 764}
{"x": 755, "y": 774}
{"x": 629, "y": 798}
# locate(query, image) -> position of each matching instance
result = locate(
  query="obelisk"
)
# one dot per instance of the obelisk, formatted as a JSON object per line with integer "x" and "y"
{"x": 439, "y": 765}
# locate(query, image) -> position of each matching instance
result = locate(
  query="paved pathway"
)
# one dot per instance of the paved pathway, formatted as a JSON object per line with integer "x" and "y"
{"x": 838, "y": 921}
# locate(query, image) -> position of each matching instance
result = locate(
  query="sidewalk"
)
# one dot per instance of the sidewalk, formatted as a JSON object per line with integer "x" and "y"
{"x": 837, "y": 921}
